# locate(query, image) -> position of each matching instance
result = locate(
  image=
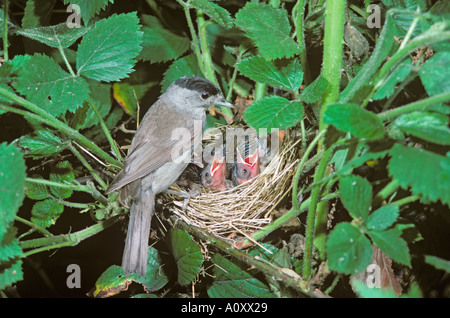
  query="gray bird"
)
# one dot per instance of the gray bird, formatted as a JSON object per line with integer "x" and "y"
{"x": 156, "y": 158}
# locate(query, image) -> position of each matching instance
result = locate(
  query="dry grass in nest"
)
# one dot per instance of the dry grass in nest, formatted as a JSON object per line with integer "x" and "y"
{"x": 246, "y": 208}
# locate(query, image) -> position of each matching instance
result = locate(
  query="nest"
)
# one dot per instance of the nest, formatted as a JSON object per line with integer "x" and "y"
{"x": 246, "y": 208}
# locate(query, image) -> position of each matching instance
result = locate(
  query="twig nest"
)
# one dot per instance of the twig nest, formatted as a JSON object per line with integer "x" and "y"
{"x": 246, "y": 208}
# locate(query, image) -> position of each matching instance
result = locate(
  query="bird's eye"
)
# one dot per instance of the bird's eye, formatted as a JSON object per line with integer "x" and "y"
{"x": 244, "y": 171}
{"x": 205, "y": 95}
{"x": 207, "y": 174}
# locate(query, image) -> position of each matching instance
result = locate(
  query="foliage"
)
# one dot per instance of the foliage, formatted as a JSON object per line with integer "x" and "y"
{"x": 377, "y": 108}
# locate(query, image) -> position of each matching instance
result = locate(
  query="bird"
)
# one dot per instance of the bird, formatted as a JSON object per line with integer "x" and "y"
{"x": 246, "y": 165}
{"x": 156, "y": 158}
{"x": 214, "y": 177}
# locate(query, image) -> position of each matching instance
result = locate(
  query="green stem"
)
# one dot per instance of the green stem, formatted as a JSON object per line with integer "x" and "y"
{"x": 88, "y": 166}
{"x": 332, "y": 52}
{"x": 105, "y": 129}
{"x": 385, "y": 192}
{"x": 57, "y": 184}
{"x": 44, "y": 117}
{"x": 298, "y": 14}
{"x": 260, "y": 90}
{"x": 299, "y": 170}
{"x": 5, "y": 30}
{"x": 311, "y": 217}
{"x": 34, "y": 226}
{"x": 418, "y": 105}
{"x": 61, "y": 51}
{"x": 406, "y": 200}
{"x": 425, "y": 39}
{"x": 72, "y": 239}
{"x": 206, "y": 56}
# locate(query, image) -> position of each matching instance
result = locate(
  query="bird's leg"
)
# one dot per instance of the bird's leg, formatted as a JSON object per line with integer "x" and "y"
{"x": 187, "y": 195}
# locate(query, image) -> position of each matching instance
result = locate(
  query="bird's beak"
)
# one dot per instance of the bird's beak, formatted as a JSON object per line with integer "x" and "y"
{"x": 223, "y": 102}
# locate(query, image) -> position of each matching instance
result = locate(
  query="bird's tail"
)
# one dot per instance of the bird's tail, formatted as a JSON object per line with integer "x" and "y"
{"x": 136, "y": 245}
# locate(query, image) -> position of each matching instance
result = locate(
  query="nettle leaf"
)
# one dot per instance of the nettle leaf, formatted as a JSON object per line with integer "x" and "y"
{"x": 56, "y": 36}
{"x": 89, "y": 8}
{"x": 186, "y": 66}
{"x": 391, "y": 243}
{"x": 62, "y": 173}
{"x": 426, "y": 173}
{"x": 42, "y": 143}
{"x": 47, "y": 85}
{"x": 37, "y": 191}
{"x": 160, "y": 44}
{"x": 432, "y": 127}
{"x": 315, "y": 90}
{"x": 155, "y": 276}
{"x": 396, "y": 76}
{"x": 11, "y": 274}
{"x": 356, "y": 196}
{"x": 438, "y": 263}
{"x": 45, "y": 213}
{"x": 274, "y": 112}
{"x": 101, "y": 97}
{"x": 258, "y": 21}
{"x": 353, "y": 119}
{"x": 434, "y": 73}
{"x": 288, "y": 77}
{"x": 233, "y": 282}
{"x": 108, "y": 51}
{"x": 9, "y": 246}
{"x": 187, "y": 254}
{"x": 37, "y": 12}
{"x": 383, "y": 218}
{"x": 215, "y": 12}
{"x": 349, "y": 251}
{"x": 12, "y": 184}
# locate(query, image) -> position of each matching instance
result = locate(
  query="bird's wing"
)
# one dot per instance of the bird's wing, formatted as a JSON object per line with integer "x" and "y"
{"x": 152, "y": 144}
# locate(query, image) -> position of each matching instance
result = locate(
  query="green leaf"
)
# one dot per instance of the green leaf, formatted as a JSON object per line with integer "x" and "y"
{"x": 101, "y": 97}
{"x": 186, "y": 66}
{"x": 45, "y": 213}
{"x": 187, "y": 254}
{"x": 288, "y": 77}
{"x": 160, "y": 44}
{"x": 42, "y": 143}
{"x": 315, "y": 90}
{"x": 426, "y": 173}
{"x": 11, "y": 274}
{"x": 438, "y": 263}
{"x": 37, "y": 191}
{"x": 37, "y": 12}
{"x": 89, "y": 8}
{"x": 383, "y": 218}
{"x": 9, "y": 246}
{"x": 62, "y": 173}
{"x": 364, "y": 291}
{"x": 56, "y": 36}
{"x": 267, "y": 26}
{"x": 155, "y": 276}
{"x": 432, "y": 127}
{"x": 12, "y": 184}
{"x": 111, "y": 282}
{"x": 274, "y": 112}
{"x": 356, "y": 196}
{"x": 396, "y": 76}
{"x": 233, "y": 282}
{"x": 215, "y": 12}
{"x": 353, "y": 119}
{"x": 349, "y": 251}
{"x": 107, "y": 51}
{"x": 434, "y": 73}
{"x": 47, "y": 85}
{"x": 391, "y": 243}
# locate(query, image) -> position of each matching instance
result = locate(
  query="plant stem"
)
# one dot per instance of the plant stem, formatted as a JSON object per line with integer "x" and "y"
{"x": 418, "y": 105}
{"x": 34, "y": 226}
{"x": 206, "y": 57}
{"x": 57, "y": 184}
{"x": 61, "y": 51}
{"x": 260, "y": 90}
{"x": 71, "y": 239}
{"x": 298, "y": 15}
{"x": 44, "y": 117}
{"x": 311, "y": 217}
{"x": 5, "y": 30}
{"x": 88, "y": 166}
{"x": 105, "y": 130}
